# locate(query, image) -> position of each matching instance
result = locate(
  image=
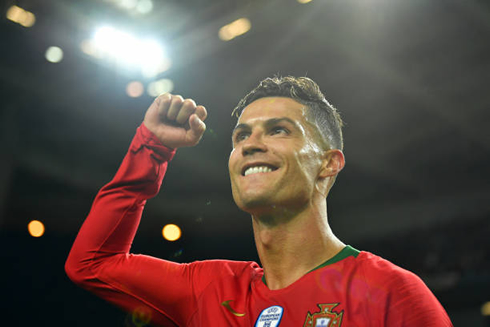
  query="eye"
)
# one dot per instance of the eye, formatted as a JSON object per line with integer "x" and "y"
{"x": 279, "y": 130}
{"x": 240, "y": 136}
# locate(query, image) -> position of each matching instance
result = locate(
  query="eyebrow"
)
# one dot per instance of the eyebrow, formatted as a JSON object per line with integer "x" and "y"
{"x": 267, "y": 123}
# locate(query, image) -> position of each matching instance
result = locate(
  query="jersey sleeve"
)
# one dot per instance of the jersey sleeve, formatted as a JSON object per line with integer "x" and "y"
{"x": 402, "y": 298}
{"x": 153, "y": 290}
{"x": 411, "y": 303}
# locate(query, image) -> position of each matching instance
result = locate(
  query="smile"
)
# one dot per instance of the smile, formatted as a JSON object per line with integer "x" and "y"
{"x": 256, "y": 170}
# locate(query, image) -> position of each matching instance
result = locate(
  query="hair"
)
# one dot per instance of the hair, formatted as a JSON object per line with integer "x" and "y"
{"x": 305, "y": 91}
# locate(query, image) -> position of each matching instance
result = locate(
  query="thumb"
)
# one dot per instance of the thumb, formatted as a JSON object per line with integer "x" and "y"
{"x": 197, "y": 127}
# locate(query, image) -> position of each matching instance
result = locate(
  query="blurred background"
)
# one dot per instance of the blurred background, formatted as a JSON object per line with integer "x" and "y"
{"x": 410, "y": 79}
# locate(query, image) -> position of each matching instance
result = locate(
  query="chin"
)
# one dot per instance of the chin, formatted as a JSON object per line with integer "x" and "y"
{"x": 255, "y": 204}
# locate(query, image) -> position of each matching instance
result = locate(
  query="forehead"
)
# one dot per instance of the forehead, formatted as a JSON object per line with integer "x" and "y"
{"x": 273, "y": 107}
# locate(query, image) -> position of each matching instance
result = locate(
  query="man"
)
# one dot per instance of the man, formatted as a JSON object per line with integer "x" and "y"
{"x": 287, "y": 152}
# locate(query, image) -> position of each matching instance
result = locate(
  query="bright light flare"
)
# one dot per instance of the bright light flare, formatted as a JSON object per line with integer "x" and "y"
{"x": 159, "y": 87}
{"x": 128, "y": 4}
{"x": 234, "y": 29}
{"x": 171, "y": 232}
{"x": 304, "y": 1}
{"x": 139, "y": 6}
{"x": 119, "y": 45}
{"x": 151, "y": 56}
{"x": 36, "y": 228}
{"x": 144, "y": 6}
{"x": 124, "y": 48}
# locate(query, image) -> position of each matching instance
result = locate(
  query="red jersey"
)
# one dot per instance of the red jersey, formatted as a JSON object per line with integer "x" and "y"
{"x": 354, "y": 288}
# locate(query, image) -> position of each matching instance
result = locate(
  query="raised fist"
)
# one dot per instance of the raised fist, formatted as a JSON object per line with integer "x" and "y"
{"x": 175, "y": 121}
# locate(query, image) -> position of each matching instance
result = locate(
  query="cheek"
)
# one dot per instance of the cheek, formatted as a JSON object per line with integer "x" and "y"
{"x": 231, "y": 160}
{"x": 308, "y": 160}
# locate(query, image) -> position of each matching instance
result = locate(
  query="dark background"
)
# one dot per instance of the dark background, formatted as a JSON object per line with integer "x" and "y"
{"x": 410, "y": 79}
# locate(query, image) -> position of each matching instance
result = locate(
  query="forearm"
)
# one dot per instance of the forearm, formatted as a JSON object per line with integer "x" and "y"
{"x": 113, "y": 220}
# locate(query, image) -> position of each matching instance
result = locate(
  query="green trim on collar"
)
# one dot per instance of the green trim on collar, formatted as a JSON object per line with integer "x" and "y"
{"x": 346, "y": 252}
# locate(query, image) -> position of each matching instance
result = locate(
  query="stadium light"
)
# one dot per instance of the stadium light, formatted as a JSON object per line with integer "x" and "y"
{"x": 234, "y": 29}
{"x": 161, "y": 86}
{"x": 21, "y": 16}
{"x": 171, "y": 232}
{"x": 125, "y": 49}
{"x": 144, "y": 6}
{"x": 54, "y": 54}
{"x": 485, "y": 309}
{"x": 35, "y": 228}
{"x": 138, "y": 6}
{"x": 135, "y": 89}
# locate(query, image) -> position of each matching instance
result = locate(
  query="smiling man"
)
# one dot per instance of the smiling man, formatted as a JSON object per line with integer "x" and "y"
{"x": 287, "y": 152}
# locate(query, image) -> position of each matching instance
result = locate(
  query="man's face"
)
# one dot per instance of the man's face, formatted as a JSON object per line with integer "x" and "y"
{"x": 275, "y": 159}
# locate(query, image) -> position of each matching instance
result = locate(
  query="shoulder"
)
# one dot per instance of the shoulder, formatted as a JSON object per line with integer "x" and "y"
{"x": 408, "y": 297}
{"x": 385, "y": 275}
{"x": 376, "y": 267}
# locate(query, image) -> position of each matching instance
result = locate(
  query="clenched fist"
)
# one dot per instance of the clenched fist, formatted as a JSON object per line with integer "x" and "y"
{"x": 175, "y": 121}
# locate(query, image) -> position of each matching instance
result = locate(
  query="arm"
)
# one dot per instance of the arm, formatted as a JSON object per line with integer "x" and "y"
{"x": 99, "y": 260}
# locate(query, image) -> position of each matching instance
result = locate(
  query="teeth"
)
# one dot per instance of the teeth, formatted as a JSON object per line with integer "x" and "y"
{"x": 255, "y": 170}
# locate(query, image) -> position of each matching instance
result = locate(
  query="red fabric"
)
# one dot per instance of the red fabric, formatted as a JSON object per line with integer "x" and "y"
{"x": 357, "y": 291}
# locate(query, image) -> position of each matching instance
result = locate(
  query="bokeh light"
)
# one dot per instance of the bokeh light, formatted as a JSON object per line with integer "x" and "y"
{"x": 29, "y": 19}
{"x": 171, "y": 232}
{"x": 304, "y": 1}
{"x": 485, "y": 309}
{"x": 159, "y": 87}
{"x": 21, "y": 16}
{"x": 135, "y": 89}
{"x": 54, "y": 54}
{"x": 234, "y": 29}
{"x": 36, "y": 228}
{"x": 141, "y": 317}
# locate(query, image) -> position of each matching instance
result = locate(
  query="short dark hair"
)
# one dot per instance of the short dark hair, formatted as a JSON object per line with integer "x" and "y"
{"x": 305, "y": 91}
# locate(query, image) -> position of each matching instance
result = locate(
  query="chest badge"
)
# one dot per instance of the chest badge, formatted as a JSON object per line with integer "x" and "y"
{"x": 326, "y": 317}
{"x": 270, "y": 317}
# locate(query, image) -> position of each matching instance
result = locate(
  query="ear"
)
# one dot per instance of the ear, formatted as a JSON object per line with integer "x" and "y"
{"x": 333, "y": 162}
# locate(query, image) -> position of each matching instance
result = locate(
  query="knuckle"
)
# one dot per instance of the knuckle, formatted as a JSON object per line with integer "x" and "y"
{"x": 177, "y": 99}
{"x": 190, "y": 101}
{"x": 164, "y": 96}
{"x": 202, "y": 112}
{"x": 189, "y": 104}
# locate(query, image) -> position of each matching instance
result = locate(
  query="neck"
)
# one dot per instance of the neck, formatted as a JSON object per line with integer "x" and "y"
{"x": 291, "y": 245}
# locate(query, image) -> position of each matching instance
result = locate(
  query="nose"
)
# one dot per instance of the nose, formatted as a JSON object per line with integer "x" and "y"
{"x": 253, "y": 144}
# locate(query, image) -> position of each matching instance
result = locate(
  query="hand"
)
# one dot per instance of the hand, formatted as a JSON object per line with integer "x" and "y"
{"x": 175, "y": 121}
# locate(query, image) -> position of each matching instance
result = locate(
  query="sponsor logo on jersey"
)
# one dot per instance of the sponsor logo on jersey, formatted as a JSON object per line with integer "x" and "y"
{"x": 226, "y": 304}
{"x": 270, "y": 317}
{"x": 326, "y": 317}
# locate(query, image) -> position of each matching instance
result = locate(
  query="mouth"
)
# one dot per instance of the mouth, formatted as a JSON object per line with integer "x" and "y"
{"x": 257, "y": 168}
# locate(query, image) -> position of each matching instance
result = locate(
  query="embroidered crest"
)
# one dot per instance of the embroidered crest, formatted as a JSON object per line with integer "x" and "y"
{"x": 325, "y": 318}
